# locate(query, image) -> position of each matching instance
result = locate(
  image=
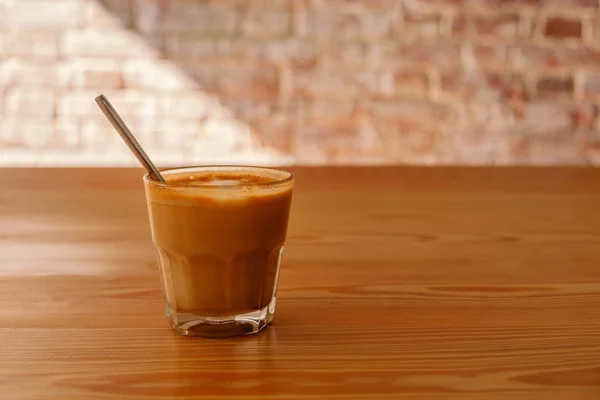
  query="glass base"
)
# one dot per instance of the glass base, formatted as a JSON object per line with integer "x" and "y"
{"x": 188, "y": 324}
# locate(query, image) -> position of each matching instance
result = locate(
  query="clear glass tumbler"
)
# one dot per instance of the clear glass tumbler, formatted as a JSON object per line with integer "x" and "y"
{"x": 219, "y": 232}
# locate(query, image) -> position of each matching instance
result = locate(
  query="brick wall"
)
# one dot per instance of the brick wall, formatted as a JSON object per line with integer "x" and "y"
{"x": 304, "y": 81}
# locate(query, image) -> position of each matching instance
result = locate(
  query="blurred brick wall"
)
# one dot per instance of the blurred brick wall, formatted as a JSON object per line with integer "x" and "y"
{"x": 305, "y": 81}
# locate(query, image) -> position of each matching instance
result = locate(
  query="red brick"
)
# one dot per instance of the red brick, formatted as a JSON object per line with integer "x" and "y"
{"x": 562, "y": 28}
{"x": 514, "y": 90}
{"x": 281, "y": 51}
{"x": 558, "y": 147}
{"x": 427, "y": 6}
{"x": 442, "y": 54}
{"x": 339, "y": 82}
{"x": 472, "y": 6}
{"x": 353, "y": 5}
{"x": 347, "y": 26}
{"x": 497, "y": 26}
{"x": 583, "y": 116}
{"x": 475, "y": 145}
{"x": 246, "y": 108}
{"x": 591, "y": 152}
{"x": 275, "y": 131}
{"x": 406, "y": 141}
{"x": 591, "y": 147}
{"x": 592, "y": 87}
{"x": 201, "y": 18}
{"x": 340, "y": 141}
{"x": 348, "y": 53}
{"x": 413, "y": 114}
{"x": 558, "y": 58}
{"x": 323, "y": 109}
{"x": 418, "y": 26}
{"x": 234, "y": 81}
{"x": 486, "y": 114}
{"x": 146, "y": 15}
{"x": 262, "y": 4}
{"x": 546, "y": 117}
{"x": 569, "y": 3}
{"x": 295, "y": 53}
{"x": 555, "y": 87}
{"x": 266, "y": 24}
{"x": 183, "y": 48}
{"x": 470, "y": 85}
{"x": 339, "y": 91}
{"x": 518, "y": 5}
{"x": 320, "y": 84}
{"x": 491, "y": 57}
{"x": 410, "y": 83}
{"x": 519, "y": 2}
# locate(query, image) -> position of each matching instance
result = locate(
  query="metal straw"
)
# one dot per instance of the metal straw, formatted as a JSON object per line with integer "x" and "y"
{"x": 123, "y": 130}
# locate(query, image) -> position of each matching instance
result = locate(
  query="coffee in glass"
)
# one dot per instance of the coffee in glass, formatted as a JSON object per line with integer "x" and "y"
{"x": 219, "y": 233}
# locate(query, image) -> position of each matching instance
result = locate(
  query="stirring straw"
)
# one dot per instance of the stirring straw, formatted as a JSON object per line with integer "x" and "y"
{"x": 123, "y": 130}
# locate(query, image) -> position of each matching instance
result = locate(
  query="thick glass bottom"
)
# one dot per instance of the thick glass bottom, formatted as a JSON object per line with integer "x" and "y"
{"x": 188, "y": 324}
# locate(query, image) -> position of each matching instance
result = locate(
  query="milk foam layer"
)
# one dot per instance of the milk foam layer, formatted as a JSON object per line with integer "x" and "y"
{"x": 218, "y": 184}
{"x": 211, "y": 176}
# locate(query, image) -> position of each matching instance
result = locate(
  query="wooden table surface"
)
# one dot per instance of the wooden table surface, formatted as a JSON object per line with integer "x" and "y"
{"x": 396, "y": 283}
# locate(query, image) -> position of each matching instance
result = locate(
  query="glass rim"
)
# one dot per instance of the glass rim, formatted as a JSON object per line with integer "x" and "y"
{"x": 277, "y": 182}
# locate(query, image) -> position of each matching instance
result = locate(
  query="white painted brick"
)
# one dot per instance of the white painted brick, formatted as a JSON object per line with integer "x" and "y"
{"x": 27, "y": 133}
{"x": 221, "y": 136}
{"x": 67, "y": 130}
{"x": 128, "y": 104}
{"x": 6, "y": 68}
{"x": 189, "y": 105}
{"x": 37, "y": 135}
{"x": 99, "y": 134}
{"x": 77, "y": 104}
{"x": 156, "y": 75}
{"x": 9, "y": 130}
{"x": 17, "y": 158}
{"x": 43, "y": 14}
{"x": 31, "y": 44}
{"x": 30, "y": 102}
{"x": 106, "y": 43}
{"x": 28, "y": 73}
{"x": 99, "y": 73}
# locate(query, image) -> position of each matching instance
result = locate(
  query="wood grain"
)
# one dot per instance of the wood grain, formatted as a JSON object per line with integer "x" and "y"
{"x": 417, "y": 283}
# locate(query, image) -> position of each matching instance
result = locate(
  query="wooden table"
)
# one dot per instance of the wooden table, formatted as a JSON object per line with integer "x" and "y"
{"x": 397, "y": 283}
